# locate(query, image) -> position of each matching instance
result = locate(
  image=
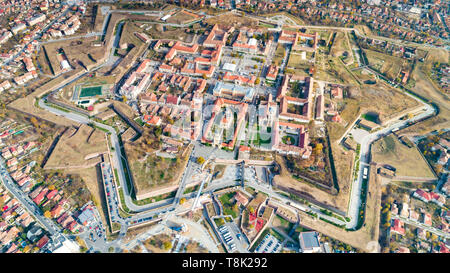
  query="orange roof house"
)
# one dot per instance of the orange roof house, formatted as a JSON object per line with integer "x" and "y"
{"x": 398, "y": 227}
{"x": 301, "y": 149}
{"x": 272, "y": 72}
{"x": 242, "y": 80}
{"x": 299, "y": 41}
{"x": 217, "y": 36}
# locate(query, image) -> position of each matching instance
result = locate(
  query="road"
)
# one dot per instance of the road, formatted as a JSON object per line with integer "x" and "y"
{"x": 55, "y": 232}
{"x": 423, "y": 226}
{"x": 310, "y": 208}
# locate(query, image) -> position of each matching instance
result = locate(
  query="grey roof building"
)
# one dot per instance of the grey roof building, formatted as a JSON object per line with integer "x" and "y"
{"x": 309, "y": 242}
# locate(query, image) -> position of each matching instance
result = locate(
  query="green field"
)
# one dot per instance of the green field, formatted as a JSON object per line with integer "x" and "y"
{"x": 90, "y": 91}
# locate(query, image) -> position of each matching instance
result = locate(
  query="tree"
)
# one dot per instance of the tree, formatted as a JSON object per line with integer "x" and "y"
{"x": 257, "y": 81}
{"x": 433, "y": 237}
{"x": 167, "y": 245}
{"x": 318, "y": 149}
{"x": 200, "y": 160}
{"x": 182, "y": 200}
{"x": 34, "y": 121}
{"x": 47, "y": 214}
{"x": 158, "y": 131}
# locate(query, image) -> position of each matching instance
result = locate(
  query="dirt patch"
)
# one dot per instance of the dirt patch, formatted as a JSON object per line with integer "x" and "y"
{"x": 78, "y": 148}
{"x": 149, "y": 171}
{"x": 229, "y": 19}
{"x": 79, "y": 52}
{"x": 158, "y": 244}
{"x": 98, "y": 18}
{"x": 182, "y": 17}
{"x": 307, "y": 191}
{"x": 339, "y": 45}
{"x": 389, "y": 66}
{"x": 407, "y": 161}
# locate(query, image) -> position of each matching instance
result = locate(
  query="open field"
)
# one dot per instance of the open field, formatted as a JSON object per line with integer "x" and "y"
{"x": 230, "y": 19}
{"x": 323, "y": 34}
{"x": 77, "y": 148}
{"x": 282, "y": 224}
{"x": 387, "y": 101}
{"x": 349, "y": 113}
{"x": 158, "y": 31}
{"x": 299, "y": 65}
{"x": 79, "y": 52}
{"x": 151, "y": 172}
{"x": 127, "y": 36}
{"x": 286, "y": 182}
{"x": 154, "y": 173}
{"x": 279, "y": 54}
{"x": 379, "y": 98}
{"x": 364, "y": 30}
{"x": 407, "y": 161}
{"x": 340, "y": 45}
{"x": 98, "y": 18}
{"x": 389, "y": 66}
{"x": 296, "y": 19}
{"x": 333, "y": 70}
{"x": 182, "y": 17}
{"x": 343, "y": 73}
{"x": 326, "y": 73}
{"x": 424, "y": 87}
{"x": 364, "y": 75}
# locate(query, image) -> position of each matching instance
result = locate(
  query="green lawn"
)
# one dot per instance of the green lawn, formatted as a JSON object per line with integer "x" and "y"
{"x": 227, "y": 204}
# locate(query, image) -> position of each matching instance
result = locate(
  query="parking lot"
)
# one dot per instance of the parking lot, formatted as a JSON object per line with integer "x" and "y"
{"x": 110, "y": 190}
{"x": 229, "y": 238}
{"x": 269, "y": 244}
{"x": 94, "y": 228}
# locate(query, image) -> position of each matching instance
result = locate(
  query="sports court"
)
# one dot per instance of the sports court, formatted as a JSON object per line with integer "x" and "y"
{"x": 90, "y": 91}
